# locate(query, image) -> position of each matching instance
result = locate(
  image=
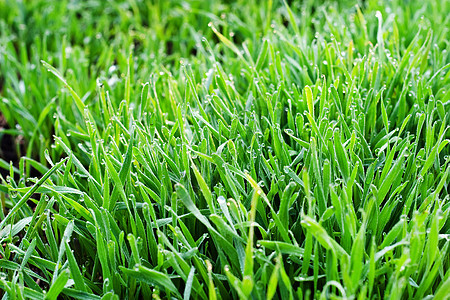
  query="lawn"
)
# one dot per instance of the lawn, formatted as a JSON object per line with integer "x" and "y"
{"x": 224, "y": 149}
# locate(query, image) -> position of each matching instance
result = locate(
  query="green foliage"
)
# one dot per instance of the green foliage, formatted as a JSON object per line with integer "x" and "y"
{"x": 198, "y": 149}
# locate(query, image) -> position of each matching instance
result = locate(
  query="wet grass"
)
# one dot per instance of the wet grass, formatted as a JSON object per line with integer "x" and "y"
{"x": 190, "y": 149}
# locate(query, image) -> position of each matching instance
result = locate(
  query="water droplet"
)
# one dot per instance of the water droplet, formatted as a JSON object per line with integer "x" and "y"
{"x": 289, "y": 131}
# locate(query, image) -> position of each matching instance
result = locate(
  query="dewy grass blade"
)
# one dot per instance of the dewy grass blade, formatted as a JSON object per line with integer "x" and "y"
{"x": 57, "y": 287}
{"x": 74, "y": 269}
{"x": 309, "y": 100}
{"x": 188, "y": 288}
{"x": 185, "y": 198}
{"x": 273, "y": 281}
{"x": 321, "y": 235}
{"x": 151, "y": 277}
{"x": 442, "y": 291}
{"x": 76, "y": 98}
{"x": 27, "y": 196}
{"x": 203, "y": 186}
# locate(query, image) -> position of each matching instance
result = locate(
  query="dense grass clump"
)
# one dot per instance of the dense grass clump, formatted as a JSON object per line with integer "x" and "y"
{"x": 244, "y": 149}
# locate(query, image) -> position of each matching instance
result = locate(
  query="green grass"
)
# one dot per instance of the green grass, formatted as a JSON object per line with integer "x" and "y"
{"x": 196, "y": 149}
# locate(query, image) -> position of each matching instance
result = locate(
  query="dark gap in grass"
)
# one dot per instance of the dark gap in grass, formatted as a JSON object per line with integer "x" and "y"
{"x": 8, "y": 147}
{"x": 285, "y": 22}
{"x": 193, "y": 51}
{"x": 41, "y": 284}
{"x": 11, "y": 150}
{"x": 169, "y": 47}
{"x": 31, "y": 203}
{"x": 238, "y": 38}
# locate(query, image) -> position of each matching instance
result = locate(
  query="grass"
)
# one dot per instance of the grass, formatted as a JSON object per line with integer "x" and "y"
{"x": 191, "y": 149}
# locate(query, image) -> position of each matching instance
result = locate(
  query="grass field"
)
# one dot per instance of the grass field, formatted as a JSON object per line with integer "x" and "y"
{"x": 222, "y": 150}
